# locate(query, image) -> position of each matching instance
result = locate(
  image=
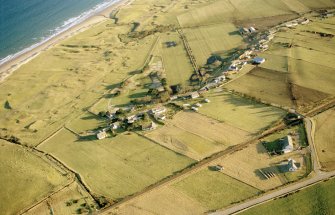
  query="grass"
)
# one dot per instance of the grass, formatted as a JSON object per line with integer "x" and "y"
{"x": 67, "y": 201}
{"x": 25, "y": 178}
{"x": 86, "y": 122}
{"x": 266, "y": 85}
{"x": 214, "y": 190}
{"x": 207, "y": 40}
{"x": 229, "y": 11}
{"x": 197, "y": 136}
{"x": 178, "y": 68}
{"x": 60, "y": 83}
{"x": 115, "y": 167}
{"x": 324, "y": 138}
{"x": 317, "y": 199}
{"x": 167, "y": 199}
{"x": 240, "y": 112}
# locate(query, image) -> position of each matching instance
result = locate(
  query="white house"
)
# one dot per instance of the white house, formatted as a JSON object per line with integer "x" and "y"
{"x": 287, "y": 144}
{"x": 101, "y": 135}
{"x": 195, "y": 109}
{"x": 292, "y": 167}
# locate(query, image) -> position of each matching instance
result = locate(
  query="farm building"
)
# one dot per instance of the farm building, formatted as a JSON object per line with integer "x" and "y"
{"x": 149, "y": 127}
{"x": 159, "y": 116}
{"x": 194, "y": 95}
{"x": 258, "y": 60}
{"x": 101, "y": 135}
{"x": 195, "y": 109}
{"x": 157, "y": 110}
{"x": 132, "y": 119}
{"x": 170, "y": 44}
{"x": 198, "y": 105}
{"x": 115, "y": 125}
{"x": 244, "y": 31}
{"x": 252, "y": 30}
{"x": 207, "y": 101}
{"x": 291, "y": 164}
{"x": 287, "y": 144}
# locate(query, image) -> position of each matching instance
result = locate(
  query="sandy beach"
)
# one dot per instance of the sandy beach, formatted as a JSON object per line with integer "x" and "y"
{"x": 12, "y": 65}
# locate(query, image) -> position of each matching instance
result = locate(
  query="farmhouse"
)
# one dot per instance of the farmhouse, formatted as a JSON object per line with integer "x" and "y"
{"x": 158, "y": 110}
{"x": 115, "y": 125}
{"x": 195, "y": 109}
{"x": 132, "y": 119}
{"x": 149, "y": 127}
{"x": 287, "y": 144}
{"x": 291, "y": 164}
{"x": 101, "y": 135}
{"x": 258, "y": 60}
{"x": 252, "y": 30}
{"x": 198, "y": 105}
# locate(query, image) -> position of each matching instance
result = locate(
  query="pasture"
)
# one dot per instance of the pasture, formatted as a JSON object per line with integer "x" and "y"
{"x": 70, "y": 200}
{"x": 166, "y": 199}
{"x": 214, "y": 190}
{"x": 239, "y": 112}
{"x": 317, "y": 199}
{"x": 25, "y": 178}
{"x": 178, "y": 68}
{"x": 86, "y": 122}
{"x": 197, "y": 136}
{"x": 212, "y": 39}
{"x": 324, "y": 138}
{"x": 118, "y": 166}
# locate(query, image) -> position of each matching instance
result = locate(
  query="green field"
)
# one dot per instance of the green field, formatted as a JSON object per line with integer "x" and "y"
{"x": 178, "y": 68}
{"x": 207, "y": 40}
{"x": 115, "y": 167}
{"x": 25, "y": 178}
{"x": 214, "y": 190}
{"x": 86, "y": 122}
{"x": 240, "y": 112}
{"x": 318, "y": 199}
{"x": 324, "y": 138}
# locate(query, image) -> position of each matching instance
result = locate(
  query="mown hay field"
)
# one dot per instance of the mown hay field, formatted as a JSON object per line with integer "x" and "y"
{"x": 239, "y": 112}
{"x": 229, "y": 11}
{"x": 197, "y": 136}
{"x": 178, "y": 68}
{"x": 264, "y": 84}
{"x": 69, "y": 200}
{"x": 207, "y": 40}
{"x": 214, "y": 190}
{"x": 25, "y": 178}
{"x": 325, "y": 138}
{"x": 166, "y": 200}
{"x": 118, "y": 166}
{"x": 318, "y": 199}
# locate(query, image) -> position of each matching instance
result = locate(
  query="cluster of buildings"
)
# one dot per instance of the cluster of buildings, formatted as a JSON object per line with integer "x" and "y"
{"x": 246, "y": 31}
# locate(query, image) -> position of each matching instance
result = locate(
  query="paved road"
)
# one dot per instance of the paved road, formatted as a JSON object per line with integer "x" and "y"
{"x": 292, "y": 188}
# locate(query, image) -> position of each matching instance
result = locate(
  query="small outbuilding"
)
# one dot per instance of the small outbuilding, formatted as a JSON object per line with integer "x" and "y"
{"x": 258, "y": 60}
{"x": 101, "y": 135}
{"x": 291, "y": 164}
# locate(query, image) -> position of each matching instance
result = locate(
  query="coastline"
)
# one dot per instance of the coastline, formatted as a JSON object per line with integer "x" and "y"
{"x": 7, "y": 68}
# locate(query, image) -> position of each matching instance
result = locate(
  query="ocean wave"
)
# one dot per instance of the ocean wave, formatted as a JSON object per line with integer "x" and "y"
{"x": 64, "y": 27}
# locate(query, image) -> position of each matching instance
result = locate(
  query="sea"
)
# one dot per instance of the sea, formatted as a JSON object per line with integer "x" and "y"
{"x": 25, "y": 24}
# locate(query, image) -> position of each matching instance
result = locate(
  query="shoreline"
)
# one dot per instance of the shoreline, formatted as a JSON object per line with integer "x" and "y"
{"x": 10, "y": 66}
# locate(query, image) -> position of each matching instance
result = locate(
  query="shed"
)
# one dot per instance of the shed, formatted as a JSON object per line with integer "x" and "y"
{"x": 287, "y": 144}
{"x": 291, "y": 164}
{"x": 258, "y": 60}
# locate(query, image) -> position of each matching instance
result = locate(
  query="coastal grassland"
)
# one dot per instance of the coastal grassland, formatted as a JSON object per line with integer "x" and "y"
{"x": 325, "y": 137}
{"x": 86, "y": 122}
{"x": 178, "y": 68}
{"x": 118, "y": 166}
{"x": 214, "y": 190}
{"x": 63, "y": 80}
{"x": 264, "y": 84}
{"x": 240, "y": 112}
{"x": 166, "y": 200}
{"x": 318, "y": 4}
{"x": 69, "y": 200}
{"x": 229, "y": 11}
{"x": 317, "y": 199}
{"x": 25, "y": 178}
{"x": 197, "y": 136}
{"x": 211, "y": 39}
